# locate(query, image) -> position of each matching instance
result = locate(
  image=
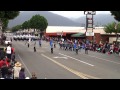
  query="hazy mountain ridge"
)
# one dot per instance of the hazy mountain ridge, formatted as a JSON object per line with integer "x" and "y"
{"x": 100, "y": 19}
{"x": 53, "y": 19}
{"x": 57, "y": 20}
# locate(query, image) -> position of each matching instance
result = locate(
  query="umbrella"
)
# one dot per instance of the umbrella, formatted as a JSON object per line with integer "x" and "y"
{"x": 78, "y": 35}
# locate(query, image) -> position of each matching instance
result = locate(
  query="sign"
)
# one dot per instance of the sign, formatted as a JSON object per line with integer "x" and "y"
{"x": 89, "y": 21}
{"x": 89, "y": 12}
{"x": 89, "y": 33}
{"x": 59, "y": 33}
{"x": 90, "y": 26}
{"x": 61, "y": 57}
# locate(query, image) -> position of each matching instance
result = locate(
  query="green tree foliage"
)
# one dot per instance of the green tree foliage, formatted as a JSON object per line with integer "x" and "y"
{"x": 116, "y": 15}
{"x": 38, "y": 22}
{"x": 26, "y": 25}
{"x": 5, "y": 16}
{"x": 110, "y": 28}
{"x": 2, "y": 13}
{"x": 16, "y": 28}
{"x": 5, "y": 23}
{"x": 9, "y": 14}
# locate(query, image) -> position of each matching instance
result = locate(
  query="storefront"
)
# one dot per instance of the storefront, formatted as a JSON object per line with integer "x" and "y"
{"x": 67, "y": 32}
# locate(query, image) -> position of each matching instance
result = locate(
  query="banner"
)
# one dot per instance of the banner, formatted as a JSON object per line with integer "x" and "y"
{"x": 89, "y": 33}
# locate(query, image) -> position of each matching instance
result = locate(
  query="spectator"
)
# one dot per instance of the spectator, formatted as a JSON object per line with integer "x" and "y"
{"x": 13, "y": 50}
{"x": 2, "y": 54}
{"x": 9, "y": 51}
{"x": 4, "y": 71}
{"x": 13, "y": 57}
{"x": 22, "y": 73}
{"x": 17, "y": 69}
{"x": 7, "y": 62}
{"x": 34, "y": 76}
{"x": 2, "y": 61}
{"x": 9, "y": 74}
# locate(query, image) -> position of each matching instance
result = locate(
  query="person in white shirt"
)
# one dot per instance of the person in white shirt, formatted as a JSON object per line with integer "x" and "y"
{"x": 17, "y": 69}
{"x": 9, "y": 51}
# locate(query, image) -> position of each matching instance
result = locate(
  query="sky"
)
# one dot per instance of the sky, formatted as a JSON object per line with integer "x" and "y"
{"x": 76, "y": 14}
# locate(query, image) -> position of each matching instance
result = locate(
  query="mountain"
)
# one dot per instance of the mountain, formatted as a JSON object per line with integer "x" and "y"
{"x": 99, "y": 20}
{"x": 53, "y": 19}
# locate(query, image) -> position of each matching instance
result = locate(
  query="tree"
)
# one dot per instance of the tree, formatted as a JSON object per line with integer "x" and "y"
{"x": 39, "y": 22}
{"x": 7, "y": 15}
{"x": 26, "y": 25}
{"x": 16, "y": 28}
{"x": 5, "y": 24}
{"x": 110, "y": 28}
{"x": 116, "y": 15}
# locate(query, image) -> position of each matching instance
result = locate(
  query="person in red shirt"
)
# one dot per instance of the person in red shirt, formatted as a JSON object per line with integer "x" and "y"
{"x": 2, "y": 61}
{"x": 6, "y": 58}
{"x": 7, "y": 62}
{"x": 13, "y": 50}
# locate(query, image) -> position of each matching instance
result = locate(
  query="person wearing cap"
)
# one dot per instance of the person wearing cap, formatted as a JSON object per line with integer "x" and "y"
{"x": 17, "y": 69}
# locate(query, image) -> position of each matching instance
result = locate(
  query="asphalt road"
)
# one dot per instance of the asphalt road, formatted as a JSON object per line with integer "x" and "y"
{"x": 66, "y": 64}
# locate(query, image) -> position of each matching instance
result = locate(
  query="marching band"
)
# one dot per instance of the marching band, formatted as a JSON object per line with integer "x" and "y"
{"x": 25, "y": 37}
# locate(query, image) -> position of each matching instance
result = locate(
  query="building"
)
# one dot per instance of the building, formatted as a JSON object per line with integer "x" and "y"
{"x": 64, "y": 31}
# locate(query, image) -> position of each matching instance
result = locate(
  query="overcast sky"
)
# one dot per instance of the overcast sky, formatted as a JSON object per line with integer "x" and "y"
{"x": 76, "y": 14}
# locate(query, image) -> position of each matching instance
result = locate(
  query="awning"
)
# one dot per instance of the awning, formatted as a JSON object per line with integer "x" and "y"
{"x": 78, "y": 35}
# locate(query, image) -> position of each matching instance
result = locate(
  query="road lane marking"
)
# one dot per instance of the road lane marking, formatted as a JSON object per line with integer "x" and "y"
{"x": 24, "y": 65}
{"x": 61, "y": 57}
{"x": 101, "y": 59}
{"x": 65, "y": 67}
{"x": 92, "y": 77}
{"x": 82, "y": 75}
{"x": 77, "y": 59}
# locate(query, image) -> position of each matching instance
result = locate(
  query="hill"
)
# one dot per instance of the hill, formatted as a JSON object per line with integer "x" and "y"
{"x": 99, "y": 20}
{"x": 53, "y": 19}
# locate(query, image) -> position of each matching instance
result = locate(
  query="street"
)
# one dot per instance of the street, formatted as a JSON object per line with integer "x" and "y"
{"x": 66, "y": 64}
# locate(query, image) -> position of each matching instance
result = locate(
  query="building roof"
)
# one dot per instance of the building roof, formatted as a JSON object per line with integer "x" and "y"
{"x": 52, "y": 29}
{"x": 57, "y": 29}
